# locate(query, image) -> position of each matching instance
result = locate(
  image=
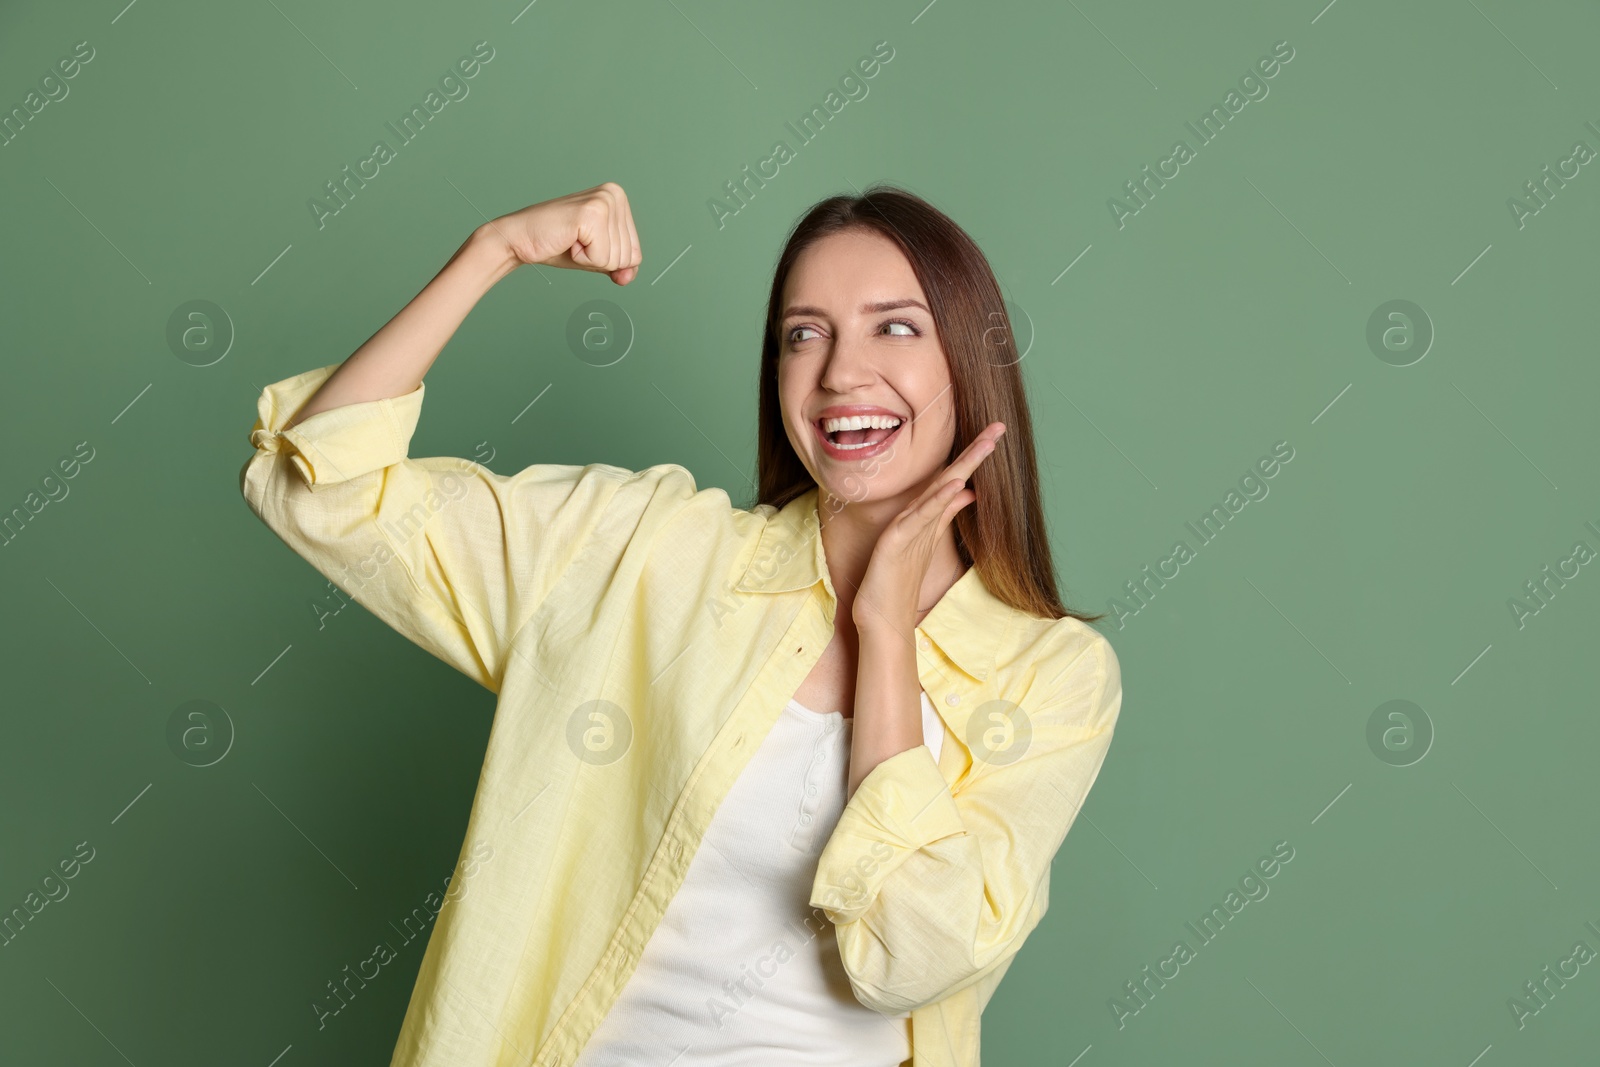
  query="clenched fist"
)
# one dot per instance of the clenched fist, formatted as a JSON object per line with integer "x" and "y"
{"x": 588, "y": 230}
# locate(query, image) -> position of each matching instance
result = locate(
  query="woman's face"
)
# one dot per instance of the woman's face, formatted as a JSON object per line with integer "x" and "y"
{"x": 857, "y": 339}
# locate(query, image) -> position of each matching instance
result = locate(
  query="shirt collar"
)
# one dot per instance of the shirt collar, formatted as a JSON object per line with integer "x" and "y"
{"x": 968, "y": 623}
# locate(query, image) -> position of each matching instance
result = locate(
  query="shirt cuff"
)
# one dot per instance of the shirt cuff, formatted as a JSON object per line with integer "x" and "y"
{"x": 901, "y": 805}
{"x": 340, "y": 443}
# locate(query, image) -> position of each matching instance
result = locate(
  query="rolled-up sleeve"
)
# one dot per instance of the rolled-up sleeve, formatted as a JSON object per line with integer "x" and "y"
{"x": 930, "y": 891}
{"x": 448, "y": 553}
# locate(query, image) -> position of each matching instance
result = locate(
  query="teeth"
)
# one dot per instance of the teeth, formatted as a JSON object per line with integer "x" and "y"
{"x": 860, "y": 422}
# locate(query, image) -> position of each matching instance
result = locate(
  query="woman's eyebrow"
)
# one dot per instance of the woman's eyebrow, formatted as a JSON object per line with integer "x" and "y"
{"x": 866, "y": 309}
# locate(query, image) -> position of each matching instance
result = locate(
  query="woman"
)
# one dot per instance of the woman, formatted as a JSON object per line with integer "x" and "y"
{"x": 787, "y": 778}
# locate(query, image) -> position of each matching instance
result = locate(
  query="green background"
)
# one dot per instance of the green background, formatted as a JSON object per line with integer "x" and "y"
{"x": 1229, "y": 314}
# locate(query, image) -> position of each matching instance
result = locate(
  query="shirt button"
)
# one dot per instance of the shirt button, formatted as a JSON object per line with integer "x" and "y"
{"x": 811, "y": 790}
{"x": 805, "y": 819}
{"x": 922, "y": 643}
{"x": 953, "y": 699}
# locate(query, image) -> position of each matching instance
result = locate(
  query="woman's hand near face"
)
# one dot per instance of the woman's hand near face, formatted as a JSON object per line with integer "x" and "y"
{"x": 589, "y": 230}
{"x": 888, "y": 594}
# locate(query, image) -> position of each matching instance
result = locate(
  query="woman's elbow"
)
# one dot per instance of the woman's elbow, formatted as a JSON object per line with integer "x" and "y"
{"x": 941, "y": 964}
{"x": 890, "y": 985}
{"x": 888, "y": 1000}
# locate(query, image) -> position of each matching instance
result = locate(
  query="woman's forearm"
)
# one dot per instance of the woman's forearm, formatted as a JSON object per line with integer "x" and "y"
{"x": 888, "y": 710}
{"x": 393, "y": 361}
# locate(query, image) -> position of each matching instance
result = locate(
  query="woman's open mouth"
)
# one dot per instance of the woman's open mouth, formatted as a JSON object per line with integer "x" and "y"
{"x": 859, "y": 443}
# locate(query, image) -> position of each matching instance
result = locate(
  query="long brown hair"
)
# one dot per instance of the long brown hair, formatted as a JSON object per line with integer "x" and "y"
{"x": 1002, "y": 533}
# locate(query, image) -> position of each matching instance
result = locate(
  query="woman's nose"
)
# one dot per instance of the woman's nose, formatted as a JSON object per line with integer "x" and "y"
{"x": 847, "y": 366}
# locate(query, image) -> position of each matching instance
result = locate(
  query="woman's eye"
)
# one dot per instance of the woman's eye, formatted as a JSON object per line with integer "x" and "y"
{"x": 908, "y": 329}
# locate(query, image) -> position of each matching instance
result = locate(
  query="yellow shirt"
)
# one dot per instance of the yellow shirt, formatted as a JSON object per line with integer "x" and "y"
{"x": 642, "y": 636}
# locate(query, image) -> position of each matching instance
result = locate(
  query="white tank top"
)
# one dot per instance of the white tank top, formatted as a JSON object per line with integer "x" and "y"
{"x": 741, "y": 963}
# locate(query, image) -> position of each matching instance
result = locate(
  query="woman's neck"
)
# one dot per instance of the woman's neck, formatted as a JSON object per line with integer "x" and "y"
{"x": 849, "y": 537}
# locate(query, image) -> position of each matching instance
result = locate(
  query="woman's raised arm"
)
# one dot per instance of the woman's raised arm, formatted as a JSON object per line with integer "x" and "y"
{"x": 588, "y": 230}
{"x": 450, "y": 554}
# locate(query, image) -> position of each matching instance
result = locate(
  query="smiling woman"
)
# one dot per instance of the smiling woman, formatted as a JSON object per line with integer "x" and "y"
{"x": 924, "y": 342}
{"x": 855, "y": 707}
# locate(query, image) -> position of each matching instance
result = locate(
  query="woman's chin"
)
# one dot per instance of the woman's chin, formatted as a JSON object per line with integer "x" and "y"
{"x": 858, "y": 490}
